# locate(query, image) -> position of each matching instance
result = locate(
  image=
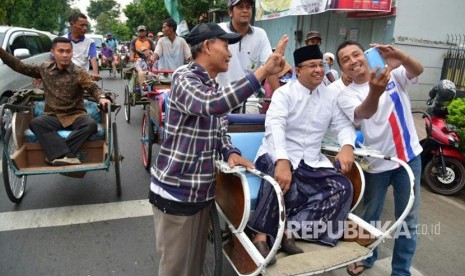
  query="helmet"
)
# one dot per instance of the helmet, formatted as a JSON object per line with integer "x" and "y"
{"x": 440, "y": 96}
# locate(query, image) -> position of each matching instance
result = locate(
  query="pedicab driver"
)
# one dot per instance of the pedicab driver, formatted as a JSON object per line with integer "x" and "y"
{"x": 183, "y": 184}
{"x": 64, "y": 85}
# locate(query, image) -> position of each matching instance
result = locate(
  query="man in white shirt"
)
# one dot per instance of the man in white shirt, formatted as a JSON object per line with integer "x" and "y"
{"x": 84, "y": 48}
{"x": 171, "y": 51}
{"x": 329, "y": 59}
{"x": 250, "y": 53}
{"x": 314, "y": 38}
{"x": 316, "y": 195}
{"x": 381, "y": 105}
{"x": 341, "y": 83}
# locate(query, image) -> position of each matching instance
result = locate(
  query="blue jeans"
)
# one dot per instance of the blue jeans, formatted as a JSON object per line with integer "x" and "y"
{"x": 375, "y": 193}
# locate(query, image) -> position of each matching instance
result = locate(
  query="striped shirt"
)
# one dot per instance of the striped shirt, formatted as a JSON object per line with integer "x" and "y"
{"x": 196, "y": 134}
{"x": 391, "y": 129}
{"x": 83, "y": 50}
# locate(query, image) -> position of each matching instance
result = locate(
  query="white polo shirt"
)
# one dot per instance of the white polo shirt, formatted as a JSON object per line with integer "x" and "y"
{"x": 83, "y": 50}
{"x": 247, "y": 55}
{"x": 172, "y": 54}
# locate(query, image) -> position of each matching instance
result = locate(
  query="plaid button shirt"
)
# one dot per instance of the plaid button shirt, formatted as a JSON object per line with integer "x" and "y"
{"x": 196, "y": 133}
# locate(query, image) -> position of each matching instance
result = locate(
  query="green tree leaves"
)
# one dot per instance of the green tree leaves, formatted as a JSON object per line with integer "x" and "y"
{"x": 457, "y": 118}
{"x": 45, "y": 15}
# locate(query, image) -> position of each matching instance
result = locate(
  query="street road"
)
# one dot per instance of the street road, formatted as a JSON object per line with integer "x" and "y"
{"x": 67, "y": 226}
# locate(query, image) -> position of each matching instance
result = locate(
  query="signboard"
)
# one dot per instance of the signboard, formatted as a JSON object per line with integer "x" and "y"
{"x": 269, "y": 9}
{"x": 371, "y": 14}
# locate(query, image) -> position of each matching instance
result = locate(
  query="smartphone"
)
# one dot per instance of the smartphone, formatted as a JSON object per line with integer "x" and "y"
{"x": 374, "y": 59}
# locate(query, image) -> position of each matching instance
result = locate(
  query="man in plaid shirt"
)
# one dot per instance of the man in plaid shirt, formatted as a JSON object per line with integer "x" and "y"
{"x": 183, "y": 183}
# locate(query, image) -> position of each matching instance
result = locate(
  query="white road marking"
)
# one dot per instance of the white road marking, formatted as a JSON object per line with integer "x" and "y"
{"x": 62, "y": 216}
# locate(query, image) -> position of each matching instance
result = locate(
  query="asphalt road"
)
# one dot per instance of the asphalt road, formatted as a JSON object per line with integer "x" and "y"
{"x": 67, "y": 226}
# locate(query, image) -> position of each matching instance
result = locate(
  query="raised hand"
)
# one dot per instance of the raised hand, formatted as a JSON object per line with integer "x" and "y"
{"x": 276, "y": 61}
{"x": 393, "y": 56}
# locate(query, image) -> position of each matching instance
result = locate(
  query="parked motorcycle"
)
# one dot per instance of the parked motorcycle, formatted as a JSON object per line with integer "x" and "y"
{"x": 444, "y": 169}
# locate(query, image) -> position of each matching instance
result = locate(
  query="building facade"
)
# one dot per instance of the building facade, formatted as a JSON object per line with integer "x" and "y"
{"x": 425, "y": 29}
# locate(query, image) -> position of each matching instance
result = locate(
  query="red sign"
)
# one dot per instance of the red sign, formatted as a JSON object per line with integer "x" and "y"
{"x": 377, "y": 5}
{"x": 371, "y": 14}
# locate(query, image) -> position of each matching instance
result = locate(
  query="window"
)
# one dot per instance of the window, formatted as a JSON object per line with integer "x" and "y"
{"x": 17, "y": 41}
{"x": 33, "y": 44}
{"x": 46, "y": 42}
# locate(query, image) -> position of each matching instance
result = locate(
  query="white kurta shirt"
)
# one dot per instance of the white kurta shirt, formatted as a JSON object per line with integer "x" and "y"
{"x": 297, "y": 121}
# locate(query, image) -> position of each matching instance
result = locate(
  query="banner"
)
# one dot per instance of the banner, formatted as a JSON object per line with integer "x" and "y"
{"x": 172, "y": 6}
{"x": 269, "y": 9}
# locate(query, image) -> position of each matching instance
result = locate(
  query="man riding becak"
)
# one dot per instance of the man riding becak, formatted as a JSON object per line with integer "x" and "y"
{"x": 64, "y": 86}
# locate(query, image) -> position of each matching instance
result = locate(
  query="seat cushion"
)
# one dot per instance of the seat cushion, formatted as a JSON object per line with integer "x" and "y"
{"x": 30, "y": 136}
{"x": 92, "y": 110}
{"x": 248, "y": 143}
{"x": 90, "y": 106}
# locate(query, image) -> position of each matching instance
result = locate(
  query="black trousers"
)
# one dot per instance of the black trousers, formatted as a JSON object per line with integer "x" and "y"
{"x": 46, "y": 128}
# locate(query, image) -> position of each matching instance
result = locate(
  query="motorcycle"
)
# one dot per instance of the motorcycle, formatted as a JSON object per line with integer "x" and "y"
{"x": 444, "y": 170}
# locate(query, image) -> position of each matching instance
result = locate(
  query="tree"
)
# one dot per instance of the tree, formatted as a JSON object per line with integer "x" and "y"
{"x": 192, "y": 10}
{"x": 98, "y": 7}
{"x": 150, "y": 13}
{"x": 40, "y": 14}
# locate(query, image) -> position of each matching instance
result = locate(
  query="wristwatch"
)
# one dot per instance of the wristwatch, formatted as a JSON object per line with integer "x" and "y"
{"x": 102, "y": 96}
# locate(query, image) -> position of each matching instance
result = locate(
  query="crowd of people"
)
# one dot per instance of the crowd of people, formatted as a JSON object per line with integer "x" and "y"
{"x": 217, "y": 68}
{"x": 300, "y": 113}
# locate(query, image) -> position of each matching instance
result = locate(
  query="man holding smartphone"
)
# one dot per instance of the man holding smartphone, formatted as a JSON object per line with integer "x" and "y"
{"x": 380, "y": 104}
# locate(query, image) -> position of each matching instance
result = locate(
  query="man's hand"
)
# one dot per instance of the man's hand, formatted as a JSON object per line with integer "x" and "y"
{"x": 96, "y": 77}
{"x": 378, "y": 83}
{"x": 346, "y": 158}
{"x": 103, "y": 103}
{"x": 275, "y": 62}
{"x": 235, "y": 159}
{"x": 283, "y": 174}
{"x": 393, "y": 56}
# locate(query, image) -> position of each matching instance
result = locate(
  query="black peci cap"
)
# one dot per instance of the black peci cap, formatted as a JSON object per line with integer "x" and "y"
{"x": 307, "y": 53}
{"x": 204, "y": 31}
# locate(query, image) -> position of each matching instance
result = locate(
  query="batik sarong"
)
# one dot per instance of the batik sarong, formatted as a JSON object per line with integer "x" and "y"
{"x": 317, "y": 203}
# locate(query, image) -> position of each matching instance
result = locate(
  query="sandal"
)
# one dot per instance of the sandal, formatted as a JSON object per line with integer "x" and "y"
{"x": 356, "y": 268}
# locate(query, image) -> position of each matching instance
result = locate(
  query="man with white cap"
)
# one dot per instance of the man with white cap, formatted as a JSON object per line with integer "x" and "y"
{"x": 251, "y": 52}
{"x": 137, "y": 43}
{"x": 183, "y": 182}
{"x": 316, "y": 195}
{"x": 329, "y": 58}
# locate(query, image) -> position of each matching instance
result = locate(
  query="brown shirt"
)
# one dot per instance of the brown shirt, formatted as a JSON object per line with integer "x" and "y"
{"x": 64, "y": 89}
